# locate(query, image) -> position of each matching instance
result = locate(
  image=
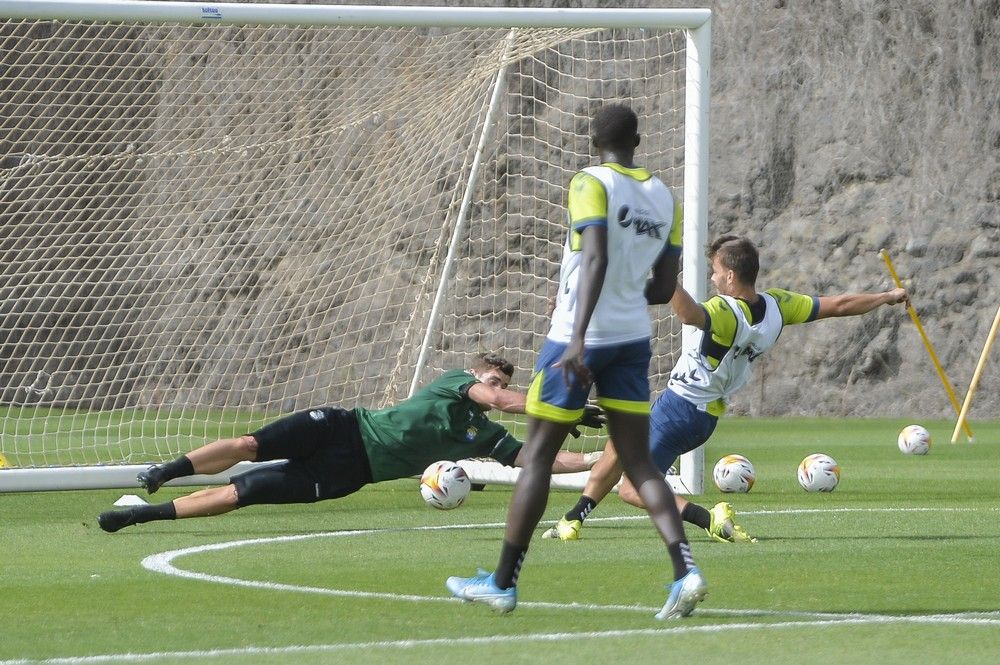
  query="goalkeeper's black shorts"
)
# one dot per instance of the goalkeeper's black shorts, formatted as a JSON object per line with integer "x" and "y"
{"x": 325, "y": 459}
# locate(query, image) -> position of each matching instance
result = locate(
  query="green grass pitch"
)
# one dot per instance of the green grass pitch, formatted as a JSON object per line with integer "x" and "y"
{"x": 898, "y": 565}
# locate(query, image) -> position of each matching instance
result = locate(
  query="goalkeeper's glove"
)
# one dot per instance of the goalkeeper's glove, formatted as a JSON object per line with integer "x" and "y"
{"x": 593, "y": 416}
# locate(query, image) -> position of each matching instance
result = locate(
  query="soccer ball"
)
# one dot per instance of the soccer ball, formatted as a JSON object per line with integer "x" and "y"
{"x": 819, "y": 473}
{"x": 445, "y": 485}
{"x": 734, "y": 473}
{"x": 914, "y": 440}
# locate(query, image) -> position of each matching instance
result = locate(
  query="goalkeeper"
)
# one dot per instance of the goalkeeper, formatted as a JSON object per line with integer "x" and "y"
{"x": 332, "y": 452}
{"x": 734, "y": 329}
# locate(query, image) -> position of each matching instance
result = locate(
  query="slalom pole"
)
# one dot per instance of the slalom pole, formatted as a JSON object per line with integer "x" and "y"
{"x": 976, "y": 376}
{"x": 927, "y": 344}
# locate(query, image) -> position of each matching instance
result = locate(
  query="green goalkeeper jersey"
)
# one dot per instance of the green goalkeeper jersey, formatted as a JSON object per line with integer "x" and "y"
{"x": 440, "y": 422}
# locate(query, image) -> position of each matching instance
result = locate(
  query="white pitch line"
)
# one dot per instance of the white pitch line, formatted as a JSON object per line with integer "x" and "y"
{"x": 501, "y": 639}
{"x": 163, "y": 563}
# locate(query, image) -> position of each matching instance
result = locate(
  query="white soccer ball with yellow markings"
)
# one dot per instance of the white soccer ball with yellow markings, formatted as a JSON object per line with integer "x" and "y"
{"x": 819, "y": 473}
{"x": 445, "y": 485}
{"x": 734, "y": 473}
{"x": 914, "y": 440}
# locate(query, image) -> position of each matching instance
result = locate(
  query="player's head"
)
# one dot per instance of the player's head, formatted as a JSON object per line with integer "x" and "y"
{"x": 615, "y": 127}
{"x": 735, "y": 263}
{"x": 493, "y": 370}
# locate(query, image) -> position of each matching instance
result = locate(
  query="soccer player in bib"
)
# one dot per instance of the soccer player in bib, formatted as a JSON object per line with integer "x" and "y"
{"x": 621, "y": 255}
{"x": 734, "y": 328}
{"x": 331, "y": 452}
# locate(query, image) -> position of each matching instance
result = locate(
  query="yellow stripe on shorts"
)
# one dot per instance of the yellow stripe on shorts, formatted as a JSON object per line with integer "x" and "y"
{"x": 624, "y": 406}
{"x": 534, "y": 406}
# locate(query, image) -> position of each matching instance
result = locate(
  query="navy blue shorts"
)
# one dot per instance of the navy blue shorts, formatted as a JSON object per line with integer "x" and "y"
{"x": 621, "y": 374}
{"x": 676, "y": 426}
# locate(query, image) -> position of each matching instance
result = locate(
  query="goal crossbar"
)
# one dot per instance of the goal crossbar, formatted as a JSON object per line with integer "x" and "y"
{"x": 352, "y": 15}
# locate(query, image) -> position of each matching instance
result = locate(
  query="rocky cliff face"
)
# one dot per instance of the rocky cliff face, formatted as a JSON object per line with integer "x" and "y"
{"x": 839, "y": 129}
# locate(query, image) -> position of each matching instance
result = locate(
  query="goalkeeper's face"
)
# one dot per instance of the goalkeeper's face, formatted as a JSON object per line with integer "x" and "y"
{"x": 493, "y": 377}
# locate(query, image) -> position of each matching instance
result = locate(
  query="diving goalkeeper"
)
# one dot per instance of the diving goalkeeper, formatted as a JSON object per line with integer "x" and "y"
{"x": 332, "y": 452}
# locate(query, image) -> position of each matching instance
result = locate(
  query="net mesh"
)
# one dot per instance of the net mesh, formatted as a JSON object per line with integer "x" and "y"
{"x": 205, "y": 227}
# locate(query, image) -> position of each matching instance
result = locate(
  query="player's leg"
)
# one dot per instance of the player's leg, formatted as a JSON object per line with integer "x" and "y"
{"x": 211, "y": 458}
{"x": 689, "y": 587}
{"x": 623, "y": 393}
{"x": 203, "y": 503}
{"x": 293, "y": 436}
{"x": 604, "y": 475}
{"x": 276, "y": 483}
{"x": 676, "y": 427}
{"x": 528, "y": 501}
{"x": 553, "y": 408}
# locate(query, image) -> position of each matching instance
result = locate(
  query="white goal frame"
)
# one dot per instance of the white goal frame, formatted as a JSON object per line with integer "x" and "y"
{"x": 695, "y": 22}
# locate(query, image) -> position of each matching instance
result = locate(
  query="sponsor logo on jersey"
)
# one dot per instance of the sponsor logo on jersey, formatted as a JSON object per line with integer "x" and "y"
{"x": 317, "y": 415}
{"x": 640, "y": 222}
{"x": 750, "y": 351}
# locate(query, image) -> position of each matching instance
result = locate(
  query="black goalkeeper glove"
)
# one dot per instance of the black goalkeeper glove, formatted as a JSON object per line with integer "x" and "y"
{"x": 593, "y": 416}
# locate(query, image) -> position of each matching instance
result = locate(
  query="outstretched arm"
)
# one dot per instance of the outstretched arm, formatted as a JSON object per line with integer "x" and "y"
{"x": 853, "y": 304}
{"x": 492, "y": 397}
{"x": 566, "y": 461}
{"x": 687, "y": 309}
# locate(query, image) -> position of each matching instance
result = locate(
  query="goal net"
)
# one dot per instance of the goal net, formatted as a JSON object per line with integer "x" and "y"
{"x": 212, "y": 216}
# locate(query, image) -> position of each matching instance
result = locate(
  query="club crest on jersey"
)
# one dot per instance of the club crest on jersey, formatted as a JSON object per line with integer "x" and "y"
{"x": 640, "y": 221}
{"x": 470, "y": 433}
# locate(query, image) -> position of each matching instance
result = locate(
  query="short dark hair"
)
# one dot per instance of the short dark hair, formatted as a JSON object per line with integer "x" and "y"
{"x": 737, "y": 254}
{"x": 615, "y": 126}
{"x": 489, "y": 359}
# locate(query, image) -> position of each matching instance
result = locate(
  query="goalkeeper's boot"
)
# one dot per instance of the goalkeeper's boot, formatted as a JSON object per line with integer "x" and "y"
{"x": 685, "y": 593}
{"x": 151, "y": 479}
{"x": 565, "y": 530}
{"x": 724, "y": 527}
{"x": 482, "y": 588}
{"x": 114, "y": 520}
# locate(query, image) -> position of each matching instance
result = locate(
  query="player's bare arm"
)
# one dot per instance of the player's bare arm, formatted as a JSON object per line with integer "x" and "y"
{"x": 854, "y": 304}
{"x": 565, "y": 462}
{"x": 687, "y": 309}
{"x": 494, "y": 397}
{"x": 661, "y": 286}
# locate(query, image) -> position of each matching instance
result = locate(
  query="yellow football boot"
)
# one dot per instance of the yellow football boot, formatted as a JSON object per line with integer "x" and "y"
{"x": 724, "y": 527}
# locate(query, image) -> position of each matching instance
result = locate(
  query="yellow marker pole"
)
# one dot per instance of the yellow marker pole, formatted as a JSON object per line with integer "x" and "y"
{"x": 976, "y": 376}
{"x": 927, "y": 343}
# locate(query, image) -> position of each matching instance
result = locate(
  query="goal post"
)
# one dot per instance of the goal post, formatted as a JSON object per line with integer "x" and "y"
{"x": 215, "y": 214}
